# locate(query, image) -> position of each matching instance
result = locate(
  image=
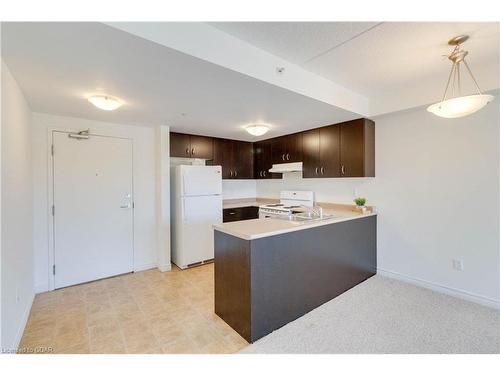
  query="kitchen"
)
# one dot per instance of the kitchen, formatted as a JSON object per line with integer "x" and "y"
{"x": 165, "y": 198}
{"x": 339, "y": 150}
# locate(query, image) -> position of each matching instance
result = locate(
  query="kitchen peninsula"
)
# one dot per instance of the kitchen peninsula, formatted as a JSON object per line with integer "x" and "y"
{"x": 269, "y": 272}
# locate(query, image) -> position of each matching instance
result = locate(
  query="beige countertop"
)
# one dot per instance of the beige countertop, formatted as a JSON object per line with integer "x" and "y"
{"x": 259, "y": 228}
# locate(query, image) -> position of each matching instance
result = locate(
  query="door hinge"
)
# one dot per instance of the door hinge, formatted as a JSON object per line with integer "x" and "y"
{"x": 53, "y": 210}
{"x": 52, "y": 150}
{"x": 54, "y": 269}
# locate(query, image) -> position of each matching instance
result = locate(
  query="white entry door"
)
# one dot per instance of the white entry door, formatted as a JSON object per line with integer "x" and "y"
{"x": 93, "y": 208}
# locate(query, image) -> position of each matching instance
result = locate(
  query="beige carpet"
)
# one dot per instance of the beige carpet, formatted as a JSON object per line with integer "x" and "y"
{"x": 383, "y": 315}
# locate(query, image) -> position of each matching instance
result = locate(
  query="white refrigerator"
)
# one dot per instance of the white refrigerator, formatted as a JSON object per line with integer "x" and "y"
{"x": 196, "y": 201}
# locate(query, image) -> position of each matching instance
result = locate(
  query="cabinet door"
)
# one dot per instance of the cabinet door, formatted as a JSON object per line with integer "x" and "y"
{"x": 352, "y": 148}
{"x": 293, "y": 148}
{"x": 223, "y": 156}
{"x": 201, "y": 147}
{"x": 242, "y": 160}
{"x": 329, "y": 151}
{"x": 310, "y": 153}
{"x": 278, "y": 150}
{"x": 258, "y": 160}
{"x": 180, "y": 145}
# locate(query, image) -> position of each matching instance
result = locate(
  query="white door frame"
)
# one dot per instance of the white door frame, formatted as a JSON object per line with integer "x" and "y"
{"x": 50, "y": 198}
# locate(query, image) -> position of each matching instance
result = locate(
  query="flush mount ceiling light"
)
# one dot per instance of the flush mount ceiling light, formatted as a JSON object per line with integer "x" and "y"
{"x": 257, "y": 129}
{"x": 105, "y": 102}
{"x": 459, "y": 105}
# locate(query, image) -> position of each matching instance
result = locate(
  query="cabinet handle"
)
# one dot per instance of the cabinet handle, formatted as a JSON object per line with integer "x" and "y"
{"x": 187, "y": 151}
{"x": 260, "y": 174}
{"x": 342, "y": 169}
{"x": 231, "y": 173}
{"x": 265, "y": 173}
{"x": 283, "y": 157}
{"x": 235, "y": 173}
{"x": 316, "y": 170}
{"x": 192, "y": 151}
{"x": 287, "y": 156}
{"x": 322, "y": 170}
{"x": 232, "y": 213}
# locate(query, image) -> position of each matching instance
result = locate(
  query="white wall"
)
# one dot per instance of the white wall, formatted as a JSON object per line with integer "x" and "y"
{"x": 17, "y": 211}
{"x": 145, "y": 225}
{"x": 237, "y": 189}
{"x": 437, "y": 192}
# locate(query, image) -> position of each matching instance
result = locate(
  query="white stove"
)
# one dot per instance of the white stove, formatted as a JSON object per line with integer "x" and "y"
{"x": 291, "y": 201}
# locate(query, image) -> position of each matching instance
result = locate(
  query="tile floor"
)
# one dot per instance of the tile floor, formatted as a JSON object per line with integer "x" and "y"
{"x": 143, "y": 312}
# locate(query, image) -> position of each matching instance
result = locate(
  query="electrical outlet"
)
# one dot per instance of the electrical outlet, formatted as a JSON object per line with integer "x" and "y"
{"x": 458, "y": 264}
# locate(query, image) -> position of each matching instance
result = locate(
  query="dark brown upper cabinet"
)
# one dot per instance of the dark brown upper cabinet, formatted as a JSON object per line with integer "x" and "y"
{"x": 235, "y": 157}
{"x": 341, "y": 150}
{"x": 321, "y": 152}
{"x": 357, "y": 148}
{"x": 287, "y": 149}
{"x": 191, "y": 146}
{"x": 263, "y": 160}
{"x": 310, "y": 153}
{"x": 180, "y": 145}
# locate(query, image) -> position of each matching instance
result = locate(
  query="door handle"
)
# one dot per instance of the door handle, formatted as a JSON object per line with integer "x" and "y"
{"x": 125, "y": 206}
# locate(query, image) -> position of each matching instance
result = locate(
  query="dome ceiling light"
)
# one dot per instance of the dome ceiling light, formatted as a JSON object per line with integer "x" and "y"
{"x": 459, "y": 105}
{"x": 257, "y": 129}
{"x": 105, "y": 102}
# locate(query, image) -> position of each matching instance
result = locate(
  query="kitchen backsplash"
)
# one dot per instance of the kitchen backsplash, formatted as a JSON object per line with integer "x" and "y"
{"x": 338, "y": 190}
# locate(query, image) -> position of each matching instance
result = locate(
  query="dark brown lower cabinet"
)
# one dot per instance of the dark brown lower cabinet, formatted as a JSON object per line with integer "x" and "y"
{"x": 263, "y": 284}
{"x": 240, "y": 213}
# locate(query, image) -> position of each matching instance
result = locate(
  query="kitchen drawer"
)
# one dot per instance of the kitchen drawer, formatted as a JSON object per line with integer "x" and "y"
{"x": 240, "y": 213}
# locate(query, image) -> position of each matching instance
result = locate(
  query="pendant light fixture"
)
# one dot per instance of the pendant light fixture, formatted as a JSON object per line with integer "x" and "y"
{"x": 458, "y": 105}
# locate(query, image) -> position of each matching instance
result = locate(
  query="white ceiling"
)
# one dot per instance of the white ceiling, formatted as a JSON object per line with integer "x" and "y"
{"x": 58, "y": 65}
{"x": 395, "y": 65}
{"x": 399, "y": 62}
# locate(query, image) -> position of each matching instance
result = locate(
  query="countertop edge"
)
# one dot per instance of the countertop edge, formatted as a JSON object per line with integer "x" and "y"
{"x": 295, "y": 228}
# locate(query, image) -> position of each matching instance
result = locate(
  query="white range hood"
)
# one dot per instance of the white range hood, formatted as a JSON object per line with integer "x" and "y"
{"x": 286, "y": 167}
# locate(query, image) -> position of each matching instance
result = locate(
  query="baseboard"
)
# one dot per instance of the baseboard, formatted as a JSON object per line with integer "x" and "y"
{"x": 41, "y": 288}
{"x": 24, "y": 321}
{"x": 144, "y": 267}
{"x": 485, "y": 301}
{"x": 165, "y": 267}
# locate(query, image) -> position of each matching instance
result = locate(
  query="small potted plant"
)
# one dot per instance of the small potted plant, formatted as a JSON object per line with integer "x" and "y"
{"x": 360, "y": 204}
